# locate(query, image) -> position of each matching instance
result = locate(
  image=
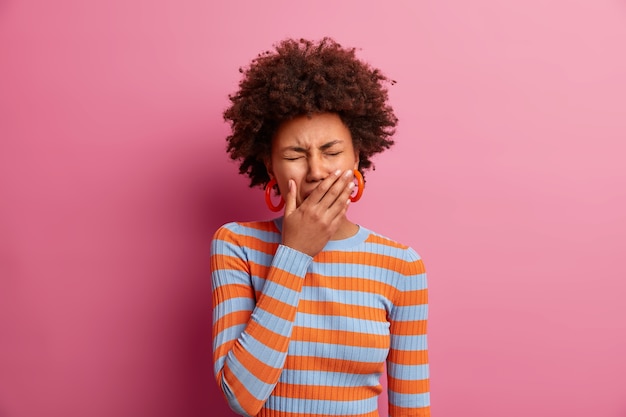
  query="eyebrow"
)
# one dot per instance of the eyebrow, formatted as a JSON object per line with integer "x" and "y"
{"x": 302, "y": 150}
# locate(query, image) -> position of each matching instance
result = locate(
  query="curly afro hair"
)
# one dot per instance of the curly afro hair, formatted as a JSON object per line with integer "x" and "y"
{"x": 303, "y": 77}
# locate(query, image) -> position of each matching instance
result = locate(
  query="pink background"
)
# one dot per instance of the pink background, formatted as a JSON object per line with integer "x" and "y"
{"x": 508, "y": 177}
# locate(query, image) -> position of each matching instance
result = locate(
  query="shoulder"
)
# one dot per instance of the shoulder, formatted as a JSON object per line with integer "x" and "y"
{"x": 409, "y": 261}
{"x": 391, "y": 246}
{"x": 235, "y": 231}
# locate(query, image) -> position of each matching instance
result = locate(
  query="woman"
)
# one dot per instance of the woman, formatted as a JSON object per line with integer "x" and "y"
{"x": 310, "y": 306}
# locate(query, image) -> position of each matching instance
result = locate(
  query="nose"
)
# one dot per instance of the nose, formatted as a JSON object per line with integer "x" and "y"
{"x": 318, "y": 169}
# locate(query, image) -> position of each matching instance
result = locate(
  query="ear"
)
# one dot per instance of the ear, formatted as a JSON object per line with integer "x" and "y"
{"x": 356, "y": 159}
{"x": 268, "y": 166}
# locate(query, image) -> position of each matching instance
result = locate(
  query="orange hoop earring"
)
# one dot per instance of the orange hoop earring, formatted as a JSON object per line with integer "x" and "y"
{"x": 268, "y": 196}
{"x": 360, "y": 186}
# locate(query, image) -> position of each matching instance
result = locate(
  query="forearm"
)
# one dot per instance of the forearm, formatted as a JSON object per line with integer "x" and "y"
{"x": 251, "y": 338}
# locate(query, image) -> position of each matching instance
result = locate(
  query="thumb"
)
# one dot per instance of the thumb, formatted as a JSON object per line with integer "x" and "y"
{"x": 290, "y": 198}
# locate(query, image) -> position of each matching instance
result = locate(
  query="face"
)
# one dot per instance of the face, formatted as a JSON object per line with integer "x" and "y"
{"x": 307, "y": 150}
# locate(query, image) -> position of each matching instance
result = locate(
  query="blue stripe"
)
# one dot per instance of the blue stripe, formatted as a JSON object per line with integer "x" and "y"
{"x": 375, "y": 274}
{"x": 342, "y": 323}
{"x": 271, "y": 322}
{"x": 219, "y": 364}
{"x": 411, "y": 313}
{"x": 281, "y": 293}
{"x": 235, "y": 305}
{"x": 256, "y": 256}
{"x": 414, "y": 282}
{"x": 398, "y": 254}
{"x": 409, "y": 400}
{"x": 259, "y": 257}
{"x": 232, "y": 400}
{"x": 322, "y": 407}
{"x": 408, "y": 372}
{"x": 409, "y": 343}
{"x": 229, "y": 276}
{"x": 257, "y": 388}
{"x": 224, "y": 247}
{"x": 243, "y": 230}
{"x": 263, "y": 353}
{"x": 357, "y": 298}
{"x": 229, "y": 334}
{"x": 334, "y": 379}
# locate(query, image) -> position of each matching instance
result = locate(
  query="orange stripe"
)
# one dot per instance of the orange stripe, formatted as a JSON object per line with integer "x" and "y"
{"x": 402, "y": 386}
{"x": 350, "y": 284}
{"x": 269, "y": 338}
{"x": 413, "y": 297}
{"x": 252, "y": 242}
{"x": 259, "y": 270}
{"x": 222, "y": 350}
{"x": 414, "y": 412}
{"x": 340, "y": 337}
{"x": 246, "y": 400}
{"x": 383, "y": 241}
{"x": 306, "y": 363}
{"x": 232, "y": 319}
{"x": 265, "y": 373}
{"x": 258, "y": 245}
{"x": 277, "y": 308}
{"x": 219, "y": 261}
{"x": 420, "y": 268}
{"x": 248, "y": 241}
{"x": 230, "y": 291}
{"x": 409, "y": 357}
{"x": 286, "y": 279}
{"x": 279, "y": 276}
{"x": 409, "y": 328}
{"x": 267, "y": 226}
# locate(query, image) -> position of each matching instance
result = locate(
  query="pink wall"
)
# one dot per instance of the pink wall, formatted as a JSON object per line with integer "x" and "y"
{"x": 508, "y": 177}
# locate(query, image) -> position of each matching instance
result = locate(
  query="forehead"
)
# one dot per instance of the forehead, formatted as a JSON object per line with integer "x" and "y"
{"x": 314, "y": 130}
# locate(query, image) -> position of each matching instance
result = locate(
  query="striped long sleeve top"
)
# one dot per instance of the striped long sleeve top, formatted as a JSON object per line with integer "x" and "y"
{"x": 299, "y": 336}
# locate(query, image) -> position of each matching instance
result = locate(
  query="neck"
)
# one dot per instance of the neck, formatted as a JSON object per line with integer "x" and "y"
{"x": 346, "y": 229}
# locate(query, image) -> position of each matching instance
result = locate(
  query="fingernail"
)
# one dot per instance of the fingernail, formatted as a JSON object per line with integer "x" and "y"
{"x": 337, "y": 172}
{"x": 348, "y": 173}
{"x": 351, "y": 185}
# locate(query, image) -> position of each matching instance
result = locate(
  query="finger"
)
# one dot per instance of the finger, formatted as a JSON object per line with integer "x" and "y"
{"x": 339, "y": 191}
{"x": 323, "y": 187}
{"x": 290, "y": 198}
{"x": 340, "y": 205}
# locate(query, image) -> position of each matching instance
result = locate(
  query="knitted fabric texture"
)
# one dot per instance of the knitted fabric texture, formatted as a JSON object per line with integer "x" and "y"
{"x": 301, "y": 336}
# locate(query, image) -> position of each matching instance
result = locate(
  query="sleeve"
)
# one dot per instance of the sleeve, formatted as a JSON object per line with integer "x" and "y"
{"x": 251, "y": 331}
{"x": 407, "y": 362}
